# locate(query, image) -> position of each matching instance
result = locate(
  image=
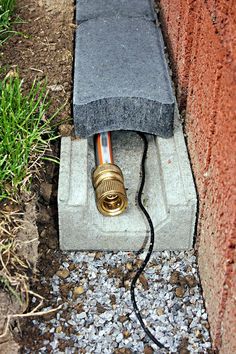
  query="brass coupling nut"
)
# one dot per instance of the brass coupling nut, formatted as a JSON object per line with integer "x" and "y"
{"x": 108, "y": 182}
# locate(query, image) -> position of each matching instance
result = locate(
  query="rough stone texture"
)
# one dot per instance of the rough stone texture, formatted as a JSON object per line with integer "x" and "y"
{"x": 228, "y": 323}
{"x": 169, "y": 195}
{"x": 96, "y": 313}
{"x": 121, "y": 78}
{"x": 202, "y": 42}
{"x": 90, "y": 9}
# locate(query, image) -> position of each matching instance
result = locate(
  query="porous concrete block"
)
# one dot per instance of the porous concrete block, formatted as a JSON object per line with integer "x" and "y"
{"x": 121, "y": 80}
{"x": 90, "y": 9}
{"x": 169, "y": 195}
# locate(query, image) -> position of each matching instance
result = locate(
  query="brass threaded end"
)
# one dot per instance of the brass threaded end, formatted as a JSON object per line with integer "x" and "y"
{"x": 110, "y": 192}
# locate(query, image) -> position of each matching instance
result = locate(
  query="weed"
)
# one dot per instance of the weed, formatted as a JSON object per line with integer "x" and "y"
{"x": 6, "y": 12}
{"x": 25, "y": 133}
{"x": 7, "y": 5}
{"x": 12, "y": 279}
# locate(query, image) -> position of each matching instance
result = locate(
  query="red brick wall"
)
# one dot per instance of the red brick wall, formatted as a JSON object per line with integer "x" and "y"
{"x": 201, "y": 36}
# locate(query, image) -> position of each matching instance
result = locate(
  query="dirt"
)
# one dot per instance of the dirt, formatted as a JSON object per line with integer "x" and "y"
{"x": 44, "y": 50}
{"x": 8, "y": 307}
{"x": 28, "y": 235}
{"x": 19, "y": 232}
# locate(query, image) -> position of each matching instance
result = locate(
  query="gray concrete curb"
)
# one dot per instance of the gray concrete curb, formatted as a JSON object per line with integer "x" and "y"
{"x": 90, "y": 9}
{"x": 169, "y": 195}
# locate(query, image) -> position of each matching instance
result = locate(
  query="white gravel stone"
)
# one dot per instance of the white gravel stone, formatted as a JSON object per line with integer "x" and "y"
{"x": 97, "y": 329}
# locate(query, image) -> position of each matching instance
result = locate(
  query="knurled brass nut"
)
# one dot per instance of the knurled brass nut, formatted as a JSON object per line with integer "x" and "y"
{"x": 109, "y": 188}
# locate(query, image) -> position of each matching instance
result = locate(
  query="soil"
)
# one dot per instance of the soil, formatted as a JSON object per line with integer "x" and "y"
{"x": 44, "y": 50}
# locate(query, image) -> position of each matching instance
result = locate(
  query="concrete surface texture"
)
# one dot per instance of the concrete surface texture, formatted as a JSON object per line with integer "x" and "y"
{"x": 169, "y": 195}
{"x": 121, "y": 79}
{"x": 90, "y": 9}
{"x": 201, "y": 37}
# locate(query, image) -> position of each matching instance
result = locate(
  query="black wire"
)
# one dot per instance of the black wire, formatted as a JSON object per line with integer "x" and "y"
{"x": 150, "y": 248}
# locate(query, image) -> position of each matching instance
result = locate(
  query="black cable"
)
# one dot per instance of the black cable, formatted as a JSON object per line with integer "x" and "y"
{"x": 150, "y": 248}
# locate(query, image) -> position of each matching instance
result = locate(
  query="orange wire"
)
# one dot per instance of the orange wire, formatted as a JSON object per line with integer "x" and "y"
{"x": 99, "y": 149}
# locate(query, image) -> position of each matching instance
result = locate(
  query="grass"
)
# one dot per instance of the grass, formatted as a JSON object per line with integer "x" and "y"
{"x": 13, "y": 268}
{"x": 14, "y": 274}
{"x": 25, "y": 134}
{"x": 6, "y": 12}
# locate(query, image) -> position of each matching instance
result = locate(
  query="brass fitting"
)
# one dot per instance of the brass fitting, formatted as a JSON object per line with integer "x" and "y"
{"x": 109, "y": 188}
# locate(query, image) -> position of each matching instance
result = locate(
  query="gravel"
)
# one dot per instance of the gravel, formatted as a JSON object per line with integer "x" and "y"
{"x": 97, "y": 314}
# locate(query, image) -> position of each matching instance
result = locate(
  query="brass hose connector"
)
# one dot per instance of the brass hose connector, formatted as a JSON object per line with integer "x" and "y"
{"x": 109, "y": 188}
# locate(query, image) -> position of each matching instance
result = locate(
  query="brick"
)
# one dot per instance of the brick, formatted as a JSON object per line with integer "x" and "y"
{"x": 204, "y": 58}
{"x": 228, "y": 333}
{"x": 203, "y": 99}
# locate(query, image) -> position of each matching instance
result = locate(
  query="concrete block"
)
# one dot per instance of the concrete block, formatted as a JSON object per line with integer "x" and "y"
{"x": 90, "y": 9}
{"x": 121, "y": 78}
{"x": 169, "y": 195}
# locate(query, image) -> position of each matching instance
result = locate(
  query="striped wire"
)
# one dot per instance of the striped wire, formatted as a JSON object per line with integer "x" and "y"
{"x": 104, "y": 148}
